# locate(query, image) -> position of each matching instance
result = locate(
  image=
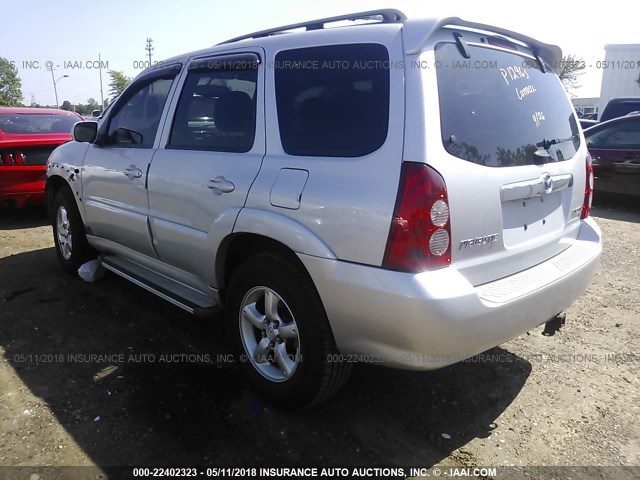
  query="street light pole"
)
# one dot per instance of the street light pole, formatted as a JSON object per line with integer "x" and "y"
{"x": 54, "y": 87}
{"x": 55, "y": 82}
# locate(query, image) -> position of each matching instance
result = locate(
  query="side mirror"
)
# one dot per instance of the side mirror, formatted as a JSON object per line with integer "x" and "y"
{"x": 85, "y": 132}
{"x": 126, "y": 136}
{"x": 96, "y": 113}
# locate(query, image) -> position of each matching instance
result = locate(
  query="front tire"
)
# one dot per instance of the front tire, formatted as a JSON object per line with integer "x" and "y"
{"x": 281, "y": 333}
{"x": 69, "y": 236}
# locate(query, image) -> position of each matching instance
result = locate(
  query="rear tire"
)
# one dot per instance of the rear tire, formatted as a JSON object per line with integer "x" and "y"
{"x": 281, "y": 333}
{"x": 69, "y": 236}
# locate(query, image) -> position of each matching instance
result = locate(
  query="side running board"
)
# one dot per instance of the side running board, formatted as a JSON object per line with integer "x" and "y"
{"x": 179, "y": 294}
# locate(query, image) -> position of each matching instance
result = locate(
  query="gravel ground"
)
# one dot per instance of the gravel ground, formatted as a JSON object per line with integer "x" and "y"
{"x": 568, "y": 400}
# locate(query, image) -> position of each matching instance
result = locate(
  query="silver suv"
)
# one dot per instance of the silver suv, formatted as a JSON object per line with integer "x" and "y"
{"x": 407, "y": 192}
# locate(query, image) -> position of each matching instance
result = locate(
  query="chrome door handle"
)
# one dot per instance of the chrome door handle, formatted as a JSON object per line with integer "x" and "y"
{"x": 133, "y": 172}
{"x": 220, "y": 184}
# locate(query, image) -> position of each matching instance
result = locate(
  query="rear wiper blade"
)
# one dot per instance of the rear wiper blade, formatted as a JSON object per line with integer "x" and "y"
{"x": 544, "y": 147}
{"x": 547, "y": 144}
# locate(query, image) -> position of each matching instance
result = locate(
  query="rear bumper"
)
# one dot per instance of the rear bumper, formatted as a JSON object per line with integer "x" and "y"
{"x": 433, "y": 319}
{"x": 22, "y": 185}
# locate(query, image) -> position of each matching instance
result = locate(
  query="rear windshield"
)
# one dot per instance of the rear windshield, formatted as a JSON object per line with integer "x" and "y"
{"x": 500, "y": 109}
{"x": 30, "y": 123}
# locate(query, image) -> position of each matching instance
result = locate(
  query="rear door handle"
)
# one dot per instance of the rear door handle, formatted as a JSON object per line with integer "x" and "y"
{"x": 133, "y": 172}
{"x": 221, "y": 184}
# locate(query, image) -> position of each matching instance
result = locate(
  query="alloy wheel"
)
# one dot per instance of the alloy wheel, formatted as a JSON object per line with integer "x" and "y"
{"x": 63, "y": 232}
{"x": 269, "y": 334}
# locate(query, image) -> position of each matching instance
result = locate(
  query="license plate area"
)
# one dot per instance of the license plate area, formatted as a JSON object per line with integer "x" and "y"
{"x": 527, "y": 219}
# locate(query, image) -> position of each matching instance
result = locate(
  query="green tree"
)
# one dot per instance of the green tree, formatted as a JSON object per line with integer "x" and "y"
{"x": 10, "y": 85}
{"x": 66, "y": 105}
{"x": 86, "y": 108}
{"x": 119, "y": 82}
{"x": 92, "y": 105}
{"x": 570, "y": 69}
{"x": 92, "y": 102}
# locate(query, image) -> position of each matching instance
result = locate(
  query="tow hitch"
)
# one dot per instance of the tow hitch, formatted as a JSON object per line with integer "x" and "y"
{"x": 554, "y": 325}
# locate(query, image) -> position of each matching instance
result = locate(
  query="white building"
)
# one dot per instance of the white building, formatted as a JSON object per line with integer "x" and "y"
{"x": 620, "y": 72}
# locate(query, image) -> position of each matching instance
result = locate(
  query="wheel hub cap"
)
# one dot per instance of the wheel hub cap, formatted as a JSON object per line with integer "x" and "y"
{"x": 269, "y": 334}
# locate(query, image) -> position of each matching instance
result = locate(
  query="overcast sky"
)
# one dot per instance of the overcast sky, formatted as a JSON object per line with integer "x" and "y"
{"x": 71, "y": 33}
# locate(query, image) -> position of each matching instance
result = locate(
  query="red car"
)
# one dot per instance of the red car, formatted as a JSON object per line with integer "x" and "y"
{"x": 27, "y": 137}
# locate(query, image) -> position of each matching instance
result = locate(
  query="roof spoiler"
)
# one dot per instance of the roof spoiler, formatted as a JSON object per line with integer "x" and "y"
{"x": 419, "y": 30}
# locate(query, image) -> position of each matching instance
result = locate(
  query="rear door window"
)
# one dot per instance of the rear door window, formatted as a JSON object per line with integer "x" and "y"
{"x": 501, "y": 109}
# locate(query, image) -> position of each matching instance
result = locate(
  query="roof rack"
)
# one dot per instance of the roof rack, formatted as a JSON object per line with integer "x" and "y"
{"x": 388, "y": 15}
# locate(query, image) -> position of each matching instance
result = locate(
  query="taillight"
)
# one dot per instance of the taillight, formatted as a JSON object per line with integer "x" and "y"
{"x": 7, "y": 158}
{"x": 588, "y": 188}
{"x": 420, "y": 235}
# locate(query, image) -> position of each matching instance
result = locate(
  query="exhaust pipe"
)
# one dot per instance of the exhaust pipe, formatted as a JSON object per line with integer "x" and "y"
{"x": 554, "y": 324}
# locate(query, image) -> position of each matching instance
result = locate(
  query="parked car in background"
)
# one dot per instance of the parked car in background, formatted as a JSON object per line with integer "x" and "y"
{"x": 615, "y": 148}
{"x": 305, "y": 183}
{"x": 27, "y": 137}
{"x": 619, "y": 107}
{"x": 94, "y": 115}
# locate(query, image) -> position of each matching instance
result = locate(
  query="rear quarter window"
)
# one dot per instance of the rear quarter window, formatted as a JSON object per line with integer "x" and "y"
{"x": 499, "y": 109}
{"x": 333, "y": 101}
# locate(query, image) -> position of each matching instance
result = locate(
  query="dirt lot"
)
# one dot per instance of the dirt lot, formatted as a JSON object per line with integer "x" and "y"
{"x": 568, "y": 400}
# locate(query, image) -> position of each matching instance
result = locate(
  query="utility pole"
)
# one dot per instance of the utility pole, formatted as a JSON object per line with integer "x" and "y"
{"x": 101, "y": 93}
{"x": 149, "y": 48}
